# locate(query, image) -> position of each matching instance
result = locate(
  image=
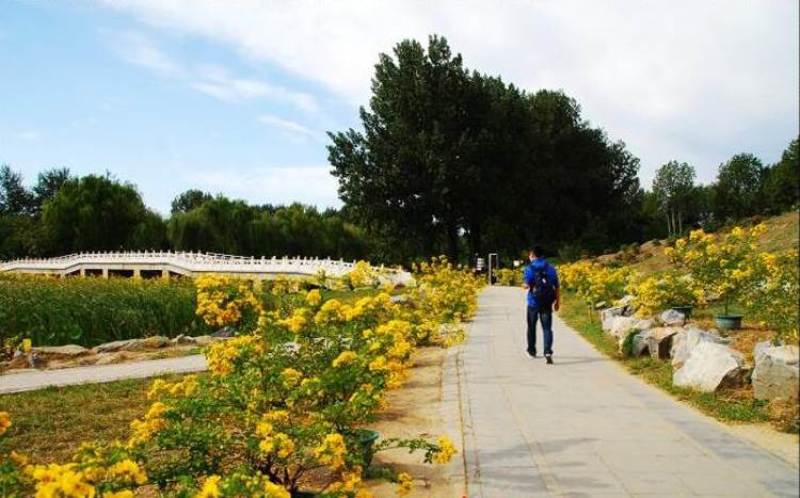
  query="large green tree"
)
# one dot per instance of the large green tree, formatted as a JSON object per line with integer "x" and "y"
{"x": 450, "y": 160}
{"x": 782, "y": 183}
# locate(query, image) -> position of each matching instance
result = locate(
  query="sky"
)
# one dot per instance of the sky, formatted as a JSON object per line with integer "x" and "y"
{"x": 237, "y": 97}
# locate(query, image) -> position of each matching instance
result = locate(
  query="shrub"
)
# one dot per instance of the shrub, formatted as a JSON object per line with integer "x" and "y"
{"x": 722, "y": 267}
{"x": 657, "y": 292}
{"x": 508, "y": 276}
{"x": 284, "y": 405}
{"x": 772, "y": 292}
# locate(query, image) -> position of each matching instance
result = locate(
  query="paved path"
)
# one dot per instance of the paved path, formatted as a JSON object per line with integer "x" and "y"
{"x": 38, "y": 379}
{"x": 585, "y": 427}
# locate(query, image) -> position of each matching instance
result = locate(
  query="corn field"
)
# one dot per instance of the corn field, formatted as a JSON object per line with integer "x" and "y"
{"x": 90, "y": 311}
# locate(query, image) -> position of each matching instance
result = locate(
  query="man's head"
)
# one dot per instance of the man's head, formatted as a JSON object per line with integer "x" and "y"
{"x": 535, "y": 252}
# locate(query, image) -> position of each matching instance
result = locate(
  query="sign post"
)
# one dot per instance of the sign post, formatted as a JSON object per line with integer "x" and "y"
{"x": 493, "y": 264}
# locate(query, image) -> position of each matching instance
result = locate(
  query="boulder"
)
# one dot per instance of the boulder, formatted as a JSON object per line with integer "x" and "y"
{"x": 399, "y": 298}
{"x": 711, "y": 365}
{"x": 777, "y": 372}
{"x": 224, "y": 332}
{"x": 621, "y": 326}
{"x": 154, "y": 342}
{"x": 205, "y": 340}
{"x": 672, "y": 318}
{"x": 687, "y": 339}
{"x": 607, "y": 316}
{"x": 626, "y": 300}
{"x": 657, "y": 342}
{"x": 69, "y": 351}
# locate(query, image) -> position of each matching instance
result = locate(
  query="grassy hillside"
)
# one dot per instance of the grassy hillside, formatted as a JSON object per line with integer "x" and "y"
{"x": 783, "y": 233}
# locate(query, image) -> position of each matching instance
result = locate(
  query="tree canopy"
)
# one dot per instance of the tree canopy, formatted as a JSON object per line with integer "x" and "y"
{"x": 450, "y": 160}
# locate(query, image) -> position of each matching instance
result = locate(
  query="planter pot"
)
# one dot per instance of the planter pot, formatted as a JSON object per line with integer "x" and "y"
{"x": 728, "y": 322}
{"x": 366, "y": 440}
{"x": 303, "y": 494}
{"x": 686, "y": 310}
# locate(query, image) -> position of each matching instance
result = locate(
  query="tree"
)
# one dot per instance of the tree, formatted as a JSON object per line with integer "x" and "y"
{"x": 449, "y": 159}
{"x": 782, "y": 183}
{"x": 48, "y": 184}
{"x": 94, "y": 213}
{"x": 673, "y": 187}
{"x": 739, "y": 187}
{"x": 15, "y": 199}
{"x": 189, "y": 200}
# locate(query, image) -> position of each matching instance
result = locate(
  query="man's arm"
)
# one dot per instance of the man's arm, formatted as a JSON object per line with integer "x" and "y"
{"x": 557, "y": 285}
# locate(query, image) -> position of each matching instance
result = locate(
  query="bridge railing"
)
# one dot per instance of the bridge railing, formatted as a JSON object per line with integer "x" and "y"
{"x": 193, "y": 261}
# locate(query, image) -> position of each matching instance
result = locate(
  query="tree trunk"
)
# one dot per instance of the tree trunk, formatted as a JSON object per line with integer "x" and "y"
{"x": 452, "y": 243}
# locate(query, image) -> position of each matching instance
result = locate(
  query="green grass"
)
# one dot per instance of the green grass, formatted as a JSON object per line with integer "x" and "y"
{"x": 730, "y": 405}
{"x": 50, "y": 424}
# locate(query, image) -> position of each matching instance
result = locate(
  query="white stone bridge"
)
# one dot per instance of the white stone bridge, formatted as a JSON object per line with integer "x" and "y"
{"x": 190, "y": 264}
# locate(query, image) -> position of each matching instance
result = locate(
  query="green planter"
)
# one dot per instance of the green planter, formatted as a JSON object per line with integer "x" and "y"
{"x": 366, "y": 440}
{"x": 728, "y": 322}
{"x": 686, "y": 310}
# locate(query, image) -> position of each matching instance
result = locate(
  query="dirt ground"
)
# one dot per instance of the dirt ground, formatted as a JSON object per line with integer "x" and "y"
{"x": 416, "y": 410}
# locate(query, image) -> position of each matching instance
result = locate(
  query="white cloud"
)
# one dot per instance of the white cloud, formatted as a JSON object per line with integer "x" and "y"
{"x": 28, "y": 135}
{"x": 291, "y": 128}
{"x": 276, "y": 185}
{"x": 691, "y": 80}
{"x": 214, "y": 80}
{"x": 217, "y": 82}
{"x": 138, "y": 49}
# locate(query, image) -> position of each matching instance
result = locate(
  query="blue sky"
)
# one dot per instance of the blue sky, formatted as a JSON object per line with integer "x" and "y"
{"x": 175, "y": 94}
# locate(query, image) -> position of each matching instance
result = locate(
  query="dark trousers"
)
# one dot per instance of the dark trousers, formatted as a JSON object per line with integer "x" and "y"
{"x": 546, "y": 317}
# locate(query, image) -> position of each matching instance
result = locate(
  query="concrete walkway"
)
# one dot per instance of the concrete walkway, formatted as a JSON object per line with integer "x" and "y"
{"x": 39, "y": 379}
{"x": 585, "y": 427}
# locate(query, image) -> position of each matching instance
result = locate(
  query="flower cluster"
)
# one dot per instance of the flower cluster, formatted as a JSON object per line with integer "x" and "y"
{"x": 593, "y": 282}
{"x": 654, "y": 293}
{"x": 227, "y": 301}
{"x": 107, "y": 472}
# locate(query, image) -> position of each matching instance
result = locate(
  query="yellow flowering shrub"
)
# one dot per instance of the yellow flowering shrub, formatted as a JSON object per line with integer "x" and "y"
{"x": 362, "y": 275}
{"x": 720, "y": 266}
{"x": 593, "y": 282}
{"x": 109, "y": 471}
{"x": 508, "y": 276}
{"x": 657, "y": 292}
{"x": 228, "y": 301}
{"x": 773, "y": 293}
{"x": 285, "y": 399}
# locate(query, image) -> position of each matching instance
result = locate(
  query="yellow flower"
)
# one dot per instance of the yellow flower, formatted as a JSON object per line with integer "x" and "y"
{"x": 404, "y": 483}
{"x": 446, "y": 450}
{"x": 210, "y": 488}
{"x": 26, "y": 345}
{"x": 344, "y": 358}
{"x": 313, "y": 297}
{"x": 291, "y": 377}
{"x": 5, "y": 422}
{"x": 118, "y": 494}
{"x": 332, "y": 451}
{"x": 273, "y": 490}
{"x": 128, "y": 470}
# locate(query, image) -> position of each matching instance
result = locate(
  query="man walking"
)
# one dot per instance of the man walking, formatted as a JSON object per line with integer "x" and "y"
{"x": 541, "y": 280}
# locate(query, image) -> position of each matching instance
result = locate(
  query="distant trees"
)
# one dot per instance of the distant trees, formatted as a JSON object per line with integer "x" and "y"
{"x": 673, "y": 188}
{"x": 453, "y": 161}
{"x": 744, "y": 187}
{"x": 63, "y": 214}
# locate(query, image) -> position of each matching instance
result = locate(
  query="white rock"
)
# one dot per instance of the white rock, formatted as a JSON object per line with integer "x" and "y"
{"x": 777, "y": 372}
{"x": 60, "y": 352}
{"x": 687, "y": 339}
{"x": 672, "y": 318}
{"x": 627, "y": 300}
{"x": 607, "y": 316}
{"x": 710, "y": 366}
{"x": 623, "y": 325}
